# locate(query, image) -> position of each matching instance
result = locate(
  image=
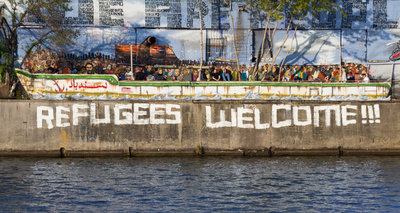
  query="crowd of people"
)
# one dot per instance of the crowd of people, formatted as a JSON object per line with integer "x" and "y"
{"x": 46, "y": 61}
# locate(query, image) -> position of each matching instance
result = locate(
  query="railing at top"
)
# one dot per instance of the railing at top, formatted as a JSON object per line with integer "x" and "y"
{"x": 111, "y": 78}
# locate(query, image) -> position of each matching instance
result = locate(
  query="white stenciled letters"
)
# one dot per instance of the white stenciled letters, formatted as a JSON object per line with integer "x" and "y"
{"x": 223, "y": 121}
{"x": 94, "y": 120}
{"x": 257, "y": 121}
{"x": 275, "y": 122}
{"x": 241, "y": 118}
{"x": 76, "y": 113}
{"x": 60, "y": 116}
{"x": 346, "y": 114}
{"x": 175, "y": 113}
{"x": 48, "y": 117}
{"x": 307, "y": 110}
{"x": 126, "y": 115}
{"x": 327, "y": 109}
{"x": 156, "y": 112}
{"x": 138, "y": 114}
{"x": 209, "y": 122}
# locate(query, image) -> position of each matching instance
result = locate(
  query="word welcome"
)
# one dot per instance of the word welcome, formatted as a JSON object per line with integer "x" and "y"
{"x": 124, "y": 114}
{"x": 282, "y": 115}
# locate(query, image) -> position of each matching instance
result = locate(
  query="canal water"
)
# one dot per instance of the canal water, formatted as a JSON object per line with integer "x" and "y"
{"x": 295, "y": 184}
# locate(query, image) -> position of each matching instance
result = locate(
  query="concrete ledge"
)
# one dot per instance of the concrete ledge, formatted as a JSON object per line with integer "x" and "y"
{"x": 47, "y": 154}
{"x": 237, "y": 153}
{"x": 187, "y": 128}
{"x": 377, "y": 152}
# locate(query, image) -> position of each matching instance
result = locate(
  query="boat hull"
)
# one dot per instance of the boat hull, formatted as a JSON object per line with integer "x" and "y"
{"x": 92, "y": 86}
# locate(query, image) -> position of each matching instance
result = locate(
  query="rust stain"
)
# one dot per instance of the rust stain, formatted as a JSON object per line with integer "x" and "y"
{"x": 227, "y": 89}
{"x": 64, "y": 139}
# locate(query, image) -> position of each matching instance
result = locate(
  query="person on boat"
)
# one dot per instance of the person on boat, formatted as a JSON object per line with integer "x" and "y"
{"x": 175, "y": 74}
{"x": 108, "y": 69}
{"x": 344, "y": 75}
{"x": 139, "y": 74}
{"x": 187, "y": 76}
{"x": 365, "y": 77}
{"x": 215, "y": 76}
{"x": 225, "y": 74}
{"x": 150, "y": 77}
{"x": 315, "y": 75}
{"x": 203, "y": 75}
{"x": 357, "y": 77}
{"x": 244, "y": 73}
{"x": 121, "y": 73}
{"x": 195, "y": 75}
{"x": 287, "y": 73}
{"x": 89, "y": 68}
{"x": 129, "y": 75}
{"x": 159, "y": 75}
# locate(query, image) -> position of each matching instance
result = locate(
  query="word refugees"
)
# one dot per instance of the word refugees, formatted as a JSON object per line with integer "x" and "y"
{"x": 124, "y": 114}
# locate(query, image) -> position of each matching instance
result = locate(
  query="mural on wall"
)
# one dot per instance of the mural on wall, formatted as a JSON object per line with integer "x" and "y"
{"x": 146, "y": 52}
{"x": 89, "y": 86}
{"x": 106, "y": 23}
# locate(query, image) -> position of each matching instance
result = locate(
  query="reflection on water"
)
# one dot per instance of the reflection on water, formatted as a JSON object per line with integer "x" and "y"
{"x": 201, "y": 184}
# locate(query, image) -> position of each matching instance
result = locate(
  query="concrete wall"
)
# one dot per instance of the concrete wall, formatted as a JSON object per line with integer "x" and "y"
{"x": 151, "y": 126}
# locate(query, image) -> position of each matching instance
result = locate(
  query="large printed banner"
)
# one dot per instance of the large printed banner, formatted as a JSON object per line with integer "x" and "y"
{"x": 359, "y": 37}
{"x": 185, "y": 14}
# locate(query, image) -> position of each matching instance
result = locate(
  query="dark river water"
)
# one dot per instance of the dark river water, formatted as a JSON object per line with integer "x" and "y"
{"x": 223, "y": 184}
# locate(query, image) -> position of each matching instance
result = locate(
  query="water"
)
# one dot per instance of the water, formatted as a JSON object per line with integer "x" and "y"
{"x": 223, "y": 184}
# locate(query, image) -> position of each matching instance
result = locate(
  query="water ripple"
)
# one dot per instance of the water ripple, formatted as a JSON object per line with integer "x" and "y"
{"x": 301, "y": 184}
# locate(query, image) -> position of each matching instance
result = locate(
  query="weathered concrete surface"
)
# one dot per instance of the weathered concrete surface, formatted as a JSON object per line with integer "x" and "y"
{"x": 180, "y": 127}
{"x": 4, "y": 90}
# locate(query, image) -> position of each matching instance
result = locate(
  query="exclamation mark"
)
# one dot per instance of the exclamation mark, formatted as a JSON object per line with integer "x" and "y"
{"x": 377, "y": 114}
{"x": 364, "y": 114}
{"x": 371, "y": 114}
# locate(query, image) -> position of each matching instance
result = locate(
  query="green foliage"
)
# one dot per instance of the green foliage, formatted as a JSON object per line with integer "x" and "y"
{"x": 2, "y": 73}
{"x": 48, "y": 16}
{"x": 277, "y": 8}
{"x": 4, "y": 60}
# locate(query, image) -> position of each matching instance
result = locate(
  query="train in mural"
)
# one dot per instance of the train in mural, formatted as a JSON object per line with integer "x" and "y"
{"x": 396, "y": 52}
{"x": 147, "y": 52}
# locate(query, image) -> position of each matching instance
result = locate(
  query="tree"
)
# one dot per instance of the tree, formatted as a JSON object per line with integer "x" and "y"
{"x": 291, "y": 10}
{"x": 233, "y": 33}
{"x": 273, "y": 10}
{"x": 45, "y": 19}
{"x": 201, "y": 37}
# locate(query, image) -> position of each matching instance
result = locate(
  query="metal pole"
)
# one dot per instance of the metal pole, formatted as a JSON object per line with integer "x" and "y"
{"x": 136, "y": 55}
{"x": 366, "y": 45}
{"x": 131, "y": 59}
{"x": 340, "y": 54}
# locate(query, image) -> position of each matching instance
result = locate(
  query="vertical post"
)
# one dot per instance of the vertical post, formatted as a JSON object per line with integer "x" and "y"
{"x": 340, "y": 53}
{"x": 201, "y": 37}
{"x": 366, "y": 45}
{"x": 207, "y": 48}
{"x": 92, "y": 40}
{"x": 234, "y": 36}
{"x": 131, "y": 58}
{"x": 392, "y": 82}
{"x": 136, "y": 55}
